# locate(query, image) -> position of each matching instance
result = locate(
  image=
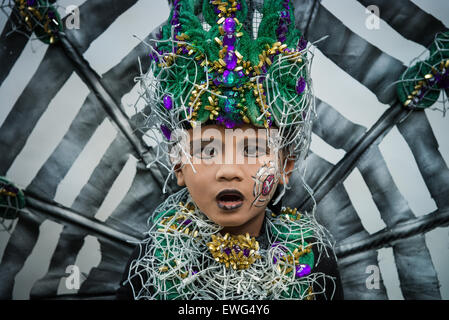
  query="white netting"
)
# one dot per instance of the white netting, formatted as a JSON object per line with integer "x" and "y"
{"x": 175, "y": 262}
{"x": 34, "y": 19}
{"x": 425, "y": 84}
{"x": 11, "y": 203}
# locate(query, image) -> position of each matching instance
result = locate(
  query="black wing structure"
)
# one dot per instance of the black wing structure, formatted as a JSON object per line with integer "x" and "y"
{"x": 115, "y": 237}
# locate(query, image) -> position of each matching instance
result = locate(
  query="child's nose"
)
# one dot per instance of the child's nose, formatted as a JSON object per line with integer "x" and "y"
{"x": 229, "y": 172}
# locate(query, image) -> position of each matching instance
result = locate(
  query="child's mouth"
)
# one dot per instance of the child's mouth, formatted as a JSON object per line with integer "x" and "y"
{"x": 229, "y": 199}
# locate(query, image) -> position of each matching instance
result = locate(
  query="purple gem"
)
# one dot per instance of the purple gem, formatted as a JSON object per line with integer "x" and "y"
{"x": 236, "y": 248}
{"x": 264, "y": 69}
{"x": 238, "y": 6}
{"x": 229, "y": 124}
{"x": 185, "y": 50}
{"x": 168, "y": 102}
{"x": 283, "y": 28}
{"x": 166, "y": 131}
{"x": 302, "y": 270}
{"x": 186, "y": 222}
{"x": 219, "y": 119}
{"x": 31, "y": 2}
{"x": 444, "y": 83}
{"x": 302, "y": 44}
{"x": 231, "y": 60}
{"x": 241, "y": 74}
{"x": 300, "y": 85}
{"x": 285, "y": 14}
{"x": 227, "y": 251}
{"x": 246, "y": 252}
{"x": 229, "y": 25}
{"x": 229, "y": 40}
{"x": 216, "y": 82}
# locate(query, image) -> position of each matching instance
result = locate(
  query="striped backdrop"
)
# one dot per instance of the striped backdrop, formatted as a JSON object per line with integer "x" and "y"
{"x": 380, "y": 175}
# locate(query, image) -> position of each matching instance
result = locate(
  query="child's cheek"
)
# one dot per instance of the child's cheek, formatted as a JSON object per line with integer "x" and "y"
{"x": 265, "y": 182}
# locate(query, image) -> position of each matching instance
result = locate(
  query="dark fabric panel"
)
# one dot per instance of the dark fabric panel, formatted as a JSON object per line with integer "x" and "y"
{"x": 50, "y": 76}
{"x": 90, "y": 116}
{"x": 12, "y": 41}
{"x": 70, "y": 242}
{"x": 408, "y": 19}
{"x": 19, "y": 247}
{"x": 393, "y": 208}
{"x": 418, "y": 134}
{"x": 119, "y": 81}
{"x": 364, "y": 62}
{"x": 410, "y": 256}
{"x": 105, "y": 278}
{"x": 334, "y": 128}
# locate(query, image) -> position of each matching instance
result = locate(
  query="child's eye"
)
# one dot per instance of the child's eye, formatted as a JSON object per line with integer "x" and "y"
{"x": 208, "y": 152}
{"x": 253, "y": 151}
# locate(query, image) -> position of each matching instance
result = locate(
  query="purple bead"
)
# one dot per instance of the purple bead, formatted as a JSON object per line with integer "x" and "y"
{"x": 229, "y": 40}
{"x": 229, "y": 124}
{"x": 231, "y": 60}
{"x": 186, "y": 222}
{"x": 185, "y": 50}
{"x": 229, "y": 25}
{"x": 302, "y": 44}
{"x": 219, "y": 119}
{"x": 227, "y": 251}
{"x": 168, "y": 102}
{"x": 285, "y": 14}
{"x": 283, "y": 28}
{"x": 238, "y": 6}
{"x": 444, "y": 83}
{"x": 302, "y": 270}
{"x": 216, "y": 82}
{"x": 241, "y": 74}
{"x": 166, "y": 131}
{"x": 246, "y": 252}
{"x": 300, "y": 85}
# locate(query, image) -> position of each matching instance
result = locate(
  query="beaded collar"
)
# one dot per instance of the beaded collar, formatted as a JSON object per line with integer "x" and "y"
{"x": 186, "y": 257}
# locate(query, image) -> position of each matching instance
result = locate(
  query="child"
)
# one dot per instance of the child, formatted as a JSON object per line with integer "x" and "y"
{"x": 236, "y": 117}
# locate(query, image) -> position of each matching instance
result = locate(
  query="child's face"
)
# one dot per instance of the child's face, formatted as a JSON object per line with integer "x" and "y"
{"x": 236, "y": 175}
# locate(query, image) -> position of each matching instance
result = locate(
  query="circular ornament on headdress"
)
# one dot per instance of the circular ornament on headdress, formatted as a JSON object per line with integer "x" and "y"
{"x": 40, "y": 17}
{"x": 420, "y": 86}
{"x": 12, "y": 199}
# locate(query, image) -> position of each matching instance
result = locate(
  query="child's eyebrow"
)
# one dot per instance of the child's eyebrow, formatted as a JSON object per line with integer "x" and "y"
{"x": 202, "y": 142}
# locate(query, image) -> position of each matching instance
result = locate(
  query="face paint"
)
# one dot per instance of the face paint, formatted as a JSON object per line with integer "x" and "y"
{"x": 265, "y": 182}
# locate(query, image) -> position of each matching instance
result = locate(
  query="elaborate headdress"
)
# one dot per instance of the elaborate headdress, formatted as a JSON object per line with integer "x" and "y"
{"x": 230, "y": 62}
{"x": 225, "y": 71}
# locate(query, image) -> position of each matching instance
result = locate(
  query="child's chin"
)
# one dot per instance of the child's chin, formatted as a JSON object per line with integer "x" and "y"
{"x": 228, "y": 223}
